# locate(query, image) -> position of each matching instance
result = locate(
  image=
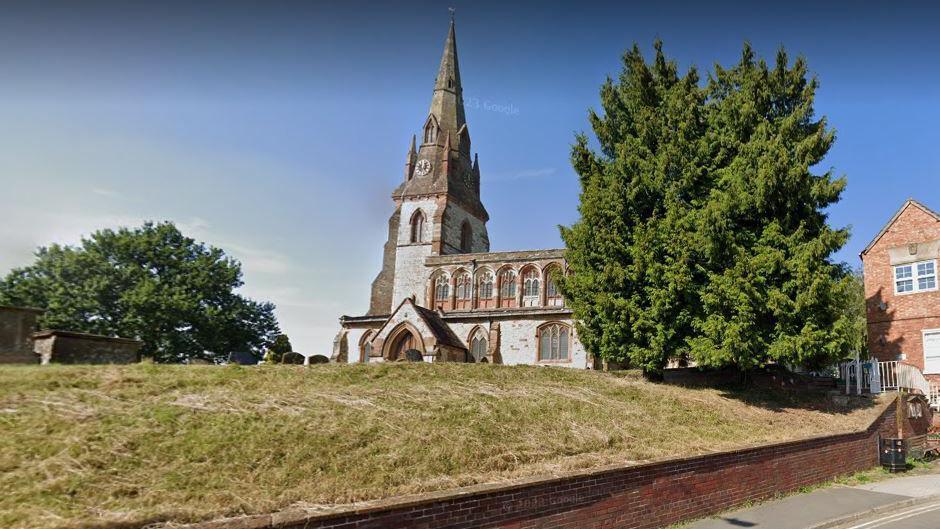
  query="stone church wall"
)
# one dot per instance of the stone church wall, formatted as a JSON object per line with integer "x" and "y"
{"x": 518, "y": 340}
{"x": 454, "y": 218}
{"x": 410, "y": 273}
{"x": 519, "y": 343}
{"x": 353, "y": 337}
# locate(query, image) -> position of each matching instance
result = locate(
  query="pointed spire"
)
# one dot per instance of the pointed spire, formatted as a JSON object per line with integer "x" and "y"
{"x": 410, "y": 159}
{"x": 447, "y": 101}
{"x": 448, "y": 74}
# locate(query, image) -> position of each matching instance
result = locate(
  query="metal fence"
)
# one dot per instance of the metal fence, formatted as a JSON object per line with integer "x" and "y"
{"x": 876, "y": 377}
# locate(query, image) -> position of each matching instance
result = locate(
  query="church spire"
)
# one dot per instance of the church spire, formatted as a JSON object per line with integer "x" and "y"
{"x": 447, "y": 101}
{"x": 410, "y": 159}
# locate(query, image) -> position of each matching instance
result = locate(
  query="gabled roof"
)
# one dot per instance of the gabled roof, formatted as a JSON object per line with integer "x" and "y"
{"x": 444, "y": 334}
{"x": 909, "y": 203}
{"x": 438, "y": 327}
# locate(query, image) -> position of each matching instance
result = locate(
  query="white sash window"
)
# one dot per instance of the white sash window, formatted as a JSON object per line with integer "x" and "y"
{"x": 915, "y": 277}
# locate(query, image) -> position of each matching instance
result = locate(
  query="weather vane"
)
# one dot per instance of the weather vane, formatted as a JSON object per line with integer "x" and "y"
{"x": 452, "y": 11}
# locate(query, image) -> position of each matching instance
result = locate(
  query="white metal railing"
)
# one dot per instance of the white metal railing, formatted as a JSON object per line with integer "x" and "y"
{"x": 888, "y": 376}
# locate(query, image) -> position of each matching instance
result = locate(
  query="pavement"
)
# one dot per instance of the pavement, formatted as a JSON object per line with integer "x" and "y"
{"x": 911, "y": 502}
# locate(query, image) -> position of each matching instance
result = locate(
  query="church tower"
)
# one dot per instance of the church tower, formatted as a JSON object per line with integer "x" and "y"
{"x": 437, "y": 206}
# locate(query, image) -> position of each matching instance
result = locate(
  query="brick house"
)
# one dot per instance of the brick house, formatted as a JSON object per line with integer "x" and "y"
{"x": 902, "y": 298}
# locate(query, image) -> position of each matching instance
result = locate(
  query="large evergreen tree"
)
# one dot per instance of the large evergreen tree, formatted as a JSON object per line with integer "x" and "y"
{"x": 151, "y": 283}
{"x": 702, "y": 232}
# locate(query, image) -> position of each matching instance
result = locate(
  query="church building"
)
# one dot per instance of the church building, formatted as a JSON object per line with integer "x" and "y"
{"x": 441, "y": 295}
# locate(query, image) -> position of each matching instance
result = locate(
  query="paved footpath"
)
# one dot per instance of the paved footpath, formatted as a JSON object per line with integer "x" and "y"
{"x": 899, "y": 503}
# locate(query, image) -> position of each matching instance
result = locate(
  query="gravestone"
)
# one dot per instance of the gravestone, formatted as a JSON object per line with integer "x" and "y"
{"x": 292, "y": 358}
{"x": 413, "y": 355}
{"x": 319, "y": 359}
{"x": 242, "y": 358}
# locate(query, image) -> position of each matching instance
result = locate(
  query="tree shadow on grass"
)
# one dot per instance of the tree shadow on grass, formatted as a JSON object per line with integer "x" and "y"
{"x": 776, "y": 389}
{"x": 783, "y": 399}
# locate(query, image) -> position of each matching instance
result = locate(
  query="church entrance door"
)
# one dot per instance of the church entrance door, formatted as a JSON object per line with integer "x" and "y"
{"x": 403, "y": 342}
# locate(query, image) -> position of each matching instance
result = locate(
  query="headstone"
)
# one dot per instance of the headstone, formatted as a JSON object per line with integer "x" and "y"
{"x": 413, "y": 355}
{"x": 319, "y": 359}
{"x": 292, "y": 358}
{"x": 242, "y": 358}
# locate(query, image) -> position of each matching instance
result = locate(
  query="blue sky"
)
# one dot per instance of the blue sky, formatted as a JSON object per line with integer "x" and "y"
{"x": 277, "y": 130}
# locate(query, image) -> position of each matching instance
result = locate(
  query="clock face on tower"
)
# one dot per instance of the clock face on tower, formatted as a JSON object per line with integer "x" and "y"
{"x": 423, "y": 167}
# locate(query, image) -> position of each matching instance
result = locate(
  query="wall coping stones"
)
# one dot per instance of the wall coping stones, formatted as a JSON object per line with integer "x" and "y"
{"x": 50, "y": 333}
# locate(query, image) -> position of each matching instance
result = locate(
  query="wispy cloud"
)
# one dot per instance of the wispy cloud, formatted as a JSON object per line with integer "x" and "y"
{"x": 257, "y": 260}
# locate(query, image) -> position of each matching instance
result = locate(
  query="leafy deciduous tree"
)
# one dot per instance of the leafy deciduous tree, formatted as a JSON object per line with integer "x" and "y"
{"x": 152, "y": 283}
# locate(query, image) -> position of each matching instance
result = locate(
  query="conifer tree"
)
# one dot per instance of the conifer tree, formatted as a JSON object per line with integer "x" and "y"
{"x": 702, "y": 233}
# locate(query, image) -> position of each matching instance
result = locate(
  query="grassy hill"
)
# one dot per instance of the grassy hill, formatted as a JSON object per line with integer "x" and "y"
{"x": 122, "y": 445}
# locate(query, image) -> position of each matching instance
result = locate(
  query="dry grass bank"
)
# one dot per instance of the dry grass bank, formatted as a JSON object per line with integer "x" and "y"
{"x": 123, "y": 445}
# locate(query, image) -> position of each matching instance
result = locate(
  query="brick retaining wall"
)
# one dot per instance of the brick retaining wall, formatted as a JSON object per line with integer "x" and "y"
{"x": 641, "y": 496}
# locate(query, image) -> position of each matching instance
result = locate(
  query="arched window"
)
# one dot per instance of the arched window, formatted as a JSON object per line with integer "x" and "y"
{"x": 552, "y": 294}
{"x": 530, "y": 287}
{"x": 507, "y": 288}
{"x": 485, "y": 290}
{"x": 463, "y": 288}
{"x": 430, "y": 132}
{"x": 478, "y": 346}
{"x": 365, "y": 347}
{"x": 442, "y": 288}
{"x": 466, "y": 237}
{"x": 417, "y": 226}
{"x": 553, "y": 342}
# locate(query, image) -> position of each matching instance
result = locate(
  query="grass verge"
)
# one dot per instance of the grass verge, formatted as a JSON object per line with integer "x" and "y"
{"x": 120, "y": 446}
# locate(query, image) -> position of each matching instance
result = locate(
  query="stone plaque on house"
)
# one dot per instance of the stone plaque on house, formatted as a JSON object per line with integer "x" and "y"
{"x": 67, "y": 347}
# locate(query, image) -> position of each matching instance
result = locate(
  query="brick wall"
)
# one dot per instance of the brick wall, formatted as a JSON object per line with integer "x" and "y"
{"x": 641, "y": 496}
{"x": 64, "y": 347}
{"x": 896, "y": 322}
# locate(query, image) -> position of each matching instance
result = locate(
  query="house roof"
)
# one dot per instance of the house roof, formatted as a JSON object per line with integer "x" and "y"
{"x": 909, "y": 203}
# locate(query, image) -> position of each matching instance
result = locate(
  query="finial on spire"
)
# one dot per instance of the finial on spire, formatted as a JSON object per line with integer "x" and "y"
{"x": 452, "y": 11}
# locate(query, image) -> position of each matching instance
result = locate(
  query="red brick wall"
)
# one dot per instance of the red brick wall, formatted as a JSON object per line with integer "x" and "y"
{"x": 899, "y": 328}
{"x": 642, "y": 496}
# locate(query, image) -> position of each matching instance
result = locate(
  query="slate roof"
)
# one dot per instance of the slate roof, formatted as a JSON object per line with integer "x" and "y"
{"x": 442, "y": 332}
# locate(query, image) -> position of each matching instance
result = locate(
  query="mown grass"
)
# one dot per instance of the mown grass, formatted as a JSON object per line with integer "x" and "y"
{"x": 120, "y": 446}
